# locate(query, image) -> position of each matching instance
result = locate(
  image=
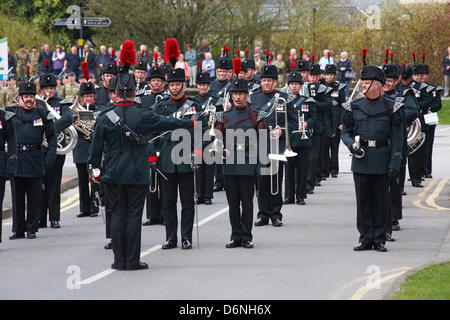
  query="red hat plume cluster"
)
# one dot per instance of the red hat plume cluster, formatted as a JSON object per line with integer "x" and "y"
{"x": 236, "y": 66}
{"x": 128, "y": 54}
{"x": 85, "y": 70}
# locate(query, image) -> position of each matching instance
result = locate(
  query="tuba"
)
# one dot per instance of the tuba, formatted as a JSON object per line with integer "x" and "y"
{"x": 415, "y": 136}
{"x": 68, "y": 136}
{"x": 86, "y": 118}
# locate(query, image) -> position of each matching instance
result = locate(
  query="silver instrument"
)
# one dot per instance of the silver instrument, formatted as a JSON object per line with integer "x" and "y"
{"x": 211, "y": 119}
{"x": 357, "y": 145}
{"x": 301, "y": 126}
{"x": 69, "y": 134}
{"x": 86, "y": 118}
{"x": 415, "y": 136}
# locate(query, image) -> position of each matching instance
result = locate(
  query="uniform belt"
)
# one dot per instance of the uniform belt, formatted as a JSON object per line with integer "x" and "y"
{"x": 375, "y": 143}
{"x": 28, "y": 147}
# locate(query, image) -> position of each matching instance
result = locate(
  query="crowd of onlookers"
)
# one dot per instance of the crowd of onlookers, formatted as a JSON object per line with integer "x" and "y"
{"x": 62, "y": 63}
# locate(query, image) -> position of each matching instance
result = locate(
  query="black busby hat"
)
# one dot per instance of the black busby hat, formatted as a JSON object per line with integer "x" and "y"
{"x": 250, "y": 64}
{"x": 229, "y": 64}
{"x": 112, "y": 85}
{"x": 156, "y": 72}
{"x": 222, "y": 63}
{"x": 295, "y": 77}
{"x": 302, "y": 65}
{"x": 109, "y": 68}
{"x": 27, "y": 88}
{"x": 373, "y": 73}
{"x": 203, "y": 78}
{"x": 141, "y": 65}
{"x": 406, "y": 71}
{"x": 330, "y": 68}
{"x": 244, "y": 67}
{"x": 390, "y": 70}
{"x": 239, "y": 85}
{"x": 125, "y": 81}
{"x": 176, "y": 75}
{"x": 269, "y": 72}
{"x": 86, "y": 88}
{"x": 419, "y": 69}
{"x": 426, "y": 69}
{"x": 315, "y": 69}
{"x": 47, "y": 80}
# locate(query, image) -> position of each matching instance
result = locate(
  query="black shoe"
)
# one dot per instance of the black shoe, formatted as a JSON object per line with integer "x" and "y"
{"x": 217, "y": 189}
{"x": 287, "y": 201}
{"x": 363, "y": 247}
{"x": 248, "y": 244}
{"x": 31, "y": 235}
{"x": 310, "y": 192}
{"x": 334, "y": 175}
{"x": 150, "y": 222}
{"x": 55, "y": 224}
{"x": 301, "y": 202}
{"x": 395, "y": 225}
{"x": 233, "y": 244}
{"x": 317, "y": 184}
{"x": 389, "y": 237}
{"x": 260, "y": 222}
{"x": 428, "y": 176}
{"x": 94, "y": 214}
{"x": 82, "y": 215}
{"x": 186, "y": 244}
{"x": 42, "y": 225}
{"x": 15, "y": 236}
{"x": 208, "y": 201}
{"x": 404, "y": 193}
{"x": 169, "y": 244}
{"x": 379, "y": 247}
{"x": 200, "y": 201}
{"x": 277, "y": 223}
{"x": 118, "y": 267}
{"x": 161, "y": 221}
{"x": 323, "y": 178}
{"x": 140, "y": 266}
{"x": 417, "y": 184}
{"x": 108, "y": 246}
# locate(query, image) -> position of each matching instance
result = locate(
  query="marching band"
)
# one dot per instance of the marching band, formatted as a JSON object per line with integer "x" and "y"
{"x": 133, "y": 141}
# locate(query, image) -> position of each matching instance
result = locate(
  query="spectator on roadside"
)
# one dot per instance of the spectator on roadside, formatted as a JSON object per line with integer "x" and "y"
{"x": 203, "y": 50}
{"x": 281, "y": 68}
{"x": 181, "y": 64}
{"x": 208, "y": 65}
{"x": 58, "y": 58}
{"x": 343, "y": 66}
{"x": 90, "y": 58}
{"x": 156, "y": 50}
{"x": 324, "y": 60}
{"x": 103, "y": 58}
{"x": 73, "y": 62}
{"x": 143, "y": 55}
{"x": 11, "y": 63}
{"x": 191, "y": 58}
{"x": 259, "y": 63}
{"x": 446, "y": 71}
{"x": 256, "y": 51}
{"x": 307, "y": 57}
{"x": 46, "y": 54}
{"x": 292, "y": 60}
{"x": 271, "y": 59}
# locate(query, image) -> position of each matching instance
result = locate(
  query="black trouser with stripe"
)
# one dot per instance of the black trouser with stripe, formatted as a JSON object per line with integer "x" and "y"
{"x": 153, "y": 208}
{"x": 32, "y": 188}
{"x": 184, "y": 182}
{"x": 429, "y": 141}
{"x": 205, "y": 181}
{"x": 415, "y": 164}
{"x": 395, "y": 202}
{"x": 87, "y": 198}
{"x": 269, "y": 205}
{"x": 127, "y": 205}
{"x": 296, "y": 169}
{"x": 372, "y": 199}
{"x": 335, "y": 141}
{"x": 240, "y": 192}
{"x": 324, "y": 162}
{"x": 2, "y": 194}
{"x": 51, "y": 193}
{"x": 312, "y": 166}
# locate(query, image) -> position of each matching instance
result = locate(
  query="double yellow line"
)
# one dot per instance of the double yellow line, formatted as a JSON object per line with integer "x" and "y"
{"x": 430, "y": 201}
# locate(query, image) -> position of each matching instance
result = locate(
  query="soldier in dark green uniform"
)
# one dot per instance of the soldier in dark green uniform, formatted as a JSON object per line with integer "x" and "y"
{"x": 31, "y": 123}
{"x": 300, "y": 136}
{"x": 88, "y": 207}
{"x": 51, "y": 195}
{"x": 7, "y": 158}
{"x": 270, "y": 204}
{"x": 373, "y": 133}
{"x": 331, "y": 154}
{"x": 239, "y": 177}
{"x": 123, "y": 132}
{"x": 408, "y": 113}
{"x": 205, "y": 99}
{"x": 179, "y": 176}
{"x": 101, "y": 95}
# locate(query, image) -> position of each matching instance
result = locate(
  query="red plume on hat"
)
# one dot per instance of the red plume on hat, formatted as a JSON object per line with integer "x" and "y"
{"x": 328, "y": 56}
{"x": 46, "y": 62}
{"x": 200, "y": 63}
{"x": 246, "y": 53}
{"x": 312, "y": 58}
{"x": 392, "y": 57}
{"x": 238, "y": 52}
{"x": 84, "y": 68}
{"x": 423, "y": 57}
{"x": 414, "y": 57}
{"x": 171, "y": 51}
{"x": 128, "y": 54}
{"x": 301, "y": 53}
{"x": 155, "y": 56}
{"x": 364, "y": 53}
{"x": 142, "y": 52}
{"x": 236, "y": 66}
{"x": 115, "y": 64}
{"x": 403, "y": 65}
{"x": 113, "y": 52}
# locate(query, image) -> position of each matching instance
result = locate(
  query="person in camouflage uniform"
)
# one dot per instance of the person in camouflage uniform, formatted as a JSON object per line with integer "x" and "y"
{"x": 11, "y": 92}
{"x": 22, "y": 58}
{"x": 34, "y": 62}
{"x": 71, "y": 89}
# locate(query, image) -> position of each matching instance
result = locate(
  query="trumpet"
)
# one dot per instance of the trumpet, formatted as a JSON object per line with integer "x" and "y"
{"x": 301, "y": 126}
{"x": 68, "y": 132}
{"x": 212, "y": 120}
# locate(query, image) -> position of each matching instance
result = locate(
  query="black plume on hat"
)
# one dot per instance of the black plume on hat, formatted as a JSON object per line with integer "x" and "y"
{"x": 373, "y": 73}
{"x": 141, "y": 65}
{"x": 125, "y": 81}
{"x": 87, "y": 88}
{"x": 390, "y": 70}
{"x": 222, "y": 63}
{"x": 302, "y": 65}
{"x": 109, "y": 68}
{"x": 47, "y": 80}
{"x": 270, "y": 72}
{"x": 203, "y": 78}
{"x": 315, "y": 69}
{"x": 295, "y": 77}
{"x": 156, "y": 72}
{"x": 27, "y": 88}
{"x": 176, "y": 75}
{"x": 330, "y": 68}
{"x": 239, "y": 85}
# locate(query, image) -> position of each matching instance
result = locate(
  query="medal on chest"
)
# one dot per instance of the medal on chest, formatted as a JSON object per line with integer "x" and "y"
{"x": 38, "y": 122}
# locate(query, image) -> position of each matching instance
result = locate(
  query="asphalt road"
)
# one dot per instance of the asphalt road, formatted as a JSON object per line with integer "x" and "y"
{"x": 310, "y": 257}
